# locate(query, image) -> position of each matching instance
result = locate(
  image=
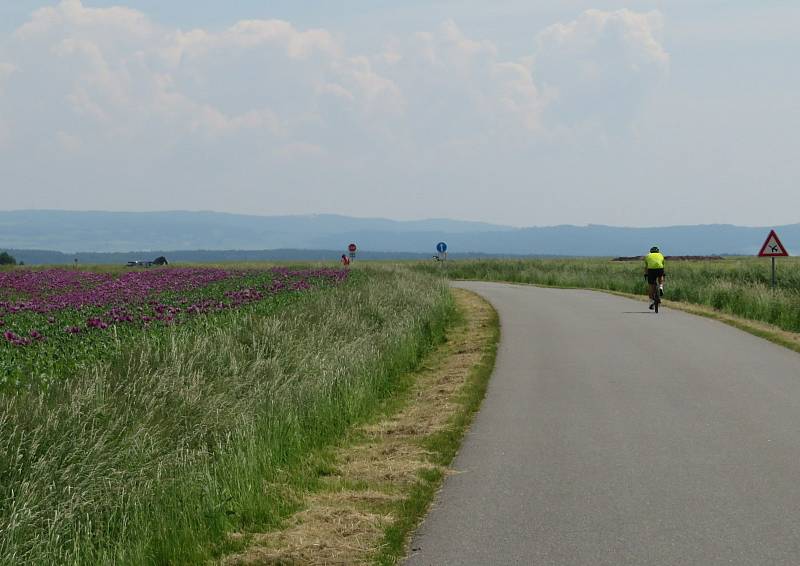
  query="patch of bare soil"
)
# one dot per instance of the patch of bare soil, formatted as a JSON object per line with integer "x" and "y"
{"x": 344, "y": 522}
{"x": 674, "y": 258}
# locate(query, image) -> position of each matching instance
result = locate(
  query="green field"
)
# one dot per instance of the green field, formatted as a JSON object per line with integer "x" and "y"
{"x": 152, "y": 442}
{"x": 159, "y": 444}
{"x": 738, "y": 286}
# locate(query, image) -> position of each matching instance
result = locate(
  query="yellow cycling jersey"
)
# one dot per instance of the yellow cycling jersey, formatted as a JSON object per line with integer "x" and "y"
{"x": 654, "y": 261}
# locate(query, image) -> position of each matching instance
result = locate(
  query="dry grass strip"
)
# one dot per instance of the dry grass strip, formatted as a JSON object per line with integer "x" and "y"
{"x": 764, "y": 330}
{"x": 344, "y": 522}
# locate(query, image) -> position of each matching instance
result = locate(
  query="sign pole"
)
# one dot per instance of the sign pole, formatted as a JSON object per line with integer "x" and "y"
{"x": 773, "y": 273}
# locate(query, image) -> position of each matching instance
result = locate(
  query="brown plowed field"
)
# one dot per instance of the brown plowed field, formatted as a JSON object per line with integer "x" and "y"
{"x": 675, "y": 258}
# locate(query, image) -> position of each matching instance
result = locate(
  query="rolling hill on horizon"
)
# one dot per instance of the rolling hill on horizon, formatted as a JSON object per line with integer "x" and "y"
{"x": 95, "y": 231}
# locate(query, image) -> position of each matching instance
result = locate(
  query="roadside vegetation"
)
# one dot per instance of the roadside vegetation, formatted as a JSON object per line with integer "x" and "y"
{"x": 375, "y": 486}
{"x": 172, "y": 433}
{"x": 54, "y": 322}
{"x": 737, "y": 286}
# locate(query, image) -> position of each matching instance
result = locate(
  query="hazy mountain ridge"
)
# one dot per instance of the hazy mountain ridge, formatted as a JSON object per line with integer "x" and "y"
{"x": 71, "y": 232}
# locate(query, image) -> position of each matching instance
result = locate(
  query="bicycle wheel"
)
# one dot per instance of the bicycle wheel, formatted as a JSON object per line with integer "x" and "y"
{"x": 656, "y": 299}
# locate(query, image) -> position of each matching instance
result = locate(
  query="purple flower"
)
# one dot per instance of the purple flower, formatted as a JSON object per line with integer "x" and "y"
{"x": 15, "y": 340}
{"x": 139, "y": 298}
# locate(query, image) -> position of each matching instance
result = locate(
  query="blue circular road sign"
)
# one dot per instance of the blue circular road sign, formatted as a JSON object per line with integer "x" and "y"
{"x": 441, "y": 247}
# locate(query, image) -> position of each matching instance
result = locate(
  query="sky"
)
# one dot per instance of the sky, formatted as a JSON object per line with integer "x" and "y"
{"x": 518, "y": 112}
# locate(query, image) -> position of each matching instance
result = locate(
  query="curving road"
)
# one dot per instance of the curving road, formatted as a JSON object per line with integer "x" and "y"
{"x": 613, "y": 436}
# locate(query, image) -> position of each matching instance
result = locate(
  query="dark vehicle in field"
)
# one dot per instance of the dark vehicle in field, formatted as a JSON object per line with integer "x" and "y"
{"x": 160, "y": 260}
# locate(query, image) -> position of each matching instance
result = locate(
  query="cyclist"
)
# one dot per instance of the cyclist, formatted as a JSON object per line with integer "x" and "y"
{"x": 654, "y": 272}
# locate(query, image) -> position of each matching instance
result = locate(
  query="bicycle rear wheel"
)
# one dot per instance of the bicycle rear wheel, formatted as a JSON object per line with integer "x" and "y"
{"x": 656, "y": 299}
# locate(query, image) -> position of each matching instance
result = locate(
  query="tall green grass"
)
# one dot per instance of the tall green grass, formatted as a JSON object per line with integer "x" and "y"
{"x": 740, "y": 287}
{"x": 158, "y": 455}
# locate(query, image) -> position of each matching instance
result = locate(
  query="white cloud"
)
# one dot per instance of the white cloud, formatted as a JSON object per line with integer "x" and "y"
{"x": 251, "y": 34}
{"x": 601, "y": 65}
{"x": 128, "y": 75}
{"x": 298, "y": 45}
{"x": 264, "y": 96}
{"x": 131, "y": 77}
{"x": 632, "y": 34}
{"x": 460, "y": 43}
{"x": 302, "y": 151}
{"x": 450, "y": 47}
{"x": 378, "y": 92}
{"x": 68, "y": 142}
{"x": 335, "y": 90}
{"x": 6, "y": 70}
{"x": 462, "y": 85}
{"x": 5, "y": 134}
{"x": 391, "y": 54}
{"x": 73, "y": 14}
{"x": 519, "y": 94}
{"x": 95, "y": 74}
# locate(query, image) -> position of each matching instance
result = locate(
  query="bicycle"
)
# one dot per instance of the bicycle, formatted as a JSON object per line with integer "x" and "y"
{"x": 655, "y": 293}
{"x": 656, "y": 296}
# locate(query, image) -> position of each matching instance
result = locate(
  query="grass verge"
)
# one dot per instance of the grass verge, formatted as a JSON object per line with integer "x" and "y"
{"x": 770, "y": 332}
{"x": 157, "y": 456}
{"x": 736, "y": 286}
{"x": 373, "y": 489}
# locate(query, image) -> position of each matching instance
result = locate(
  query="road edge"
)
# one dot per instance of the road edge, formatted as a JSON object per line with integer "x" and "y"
{"x": 373, "y": 488}
{"x": 769, "y": 332}
{"x": 444, "y": 444}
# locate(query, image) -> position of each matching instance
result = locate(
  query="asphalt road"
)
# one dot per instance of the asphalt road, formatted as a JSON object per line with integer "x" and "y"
{"x": 614, "y": 436}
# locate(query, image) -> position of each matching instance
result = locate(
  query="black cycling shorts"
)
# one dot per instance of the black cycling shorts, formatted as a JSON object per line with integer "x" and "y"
{"x": 654, "y": 274}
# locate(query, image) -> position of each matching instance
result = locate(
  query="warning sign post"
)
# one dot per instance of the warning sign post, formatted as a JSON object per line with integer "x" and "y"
{"x": 773, "y": 248}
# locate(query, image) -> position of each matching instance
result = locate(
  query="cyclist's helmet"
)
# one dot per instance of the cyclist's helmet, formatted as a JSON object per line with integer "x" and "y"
{"x": 654, "y": 250}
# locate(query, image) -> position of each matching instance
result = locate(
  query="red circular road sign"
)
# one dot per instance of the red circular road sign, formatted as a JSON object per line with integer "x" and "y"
{"x": 352, "y": 248}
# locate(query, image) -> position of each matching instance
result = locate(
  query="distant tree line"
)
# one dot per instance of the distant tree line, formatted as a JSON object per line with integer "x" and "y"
{"x": 7, "y": 259}
{"x": 47, "y": 257}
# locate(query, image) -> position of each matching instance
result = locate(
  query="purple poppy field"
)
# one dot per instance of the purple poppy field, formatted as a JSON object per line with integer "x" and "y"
{"x": 146, "y": 413}
{"x": 55, "y": 321}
